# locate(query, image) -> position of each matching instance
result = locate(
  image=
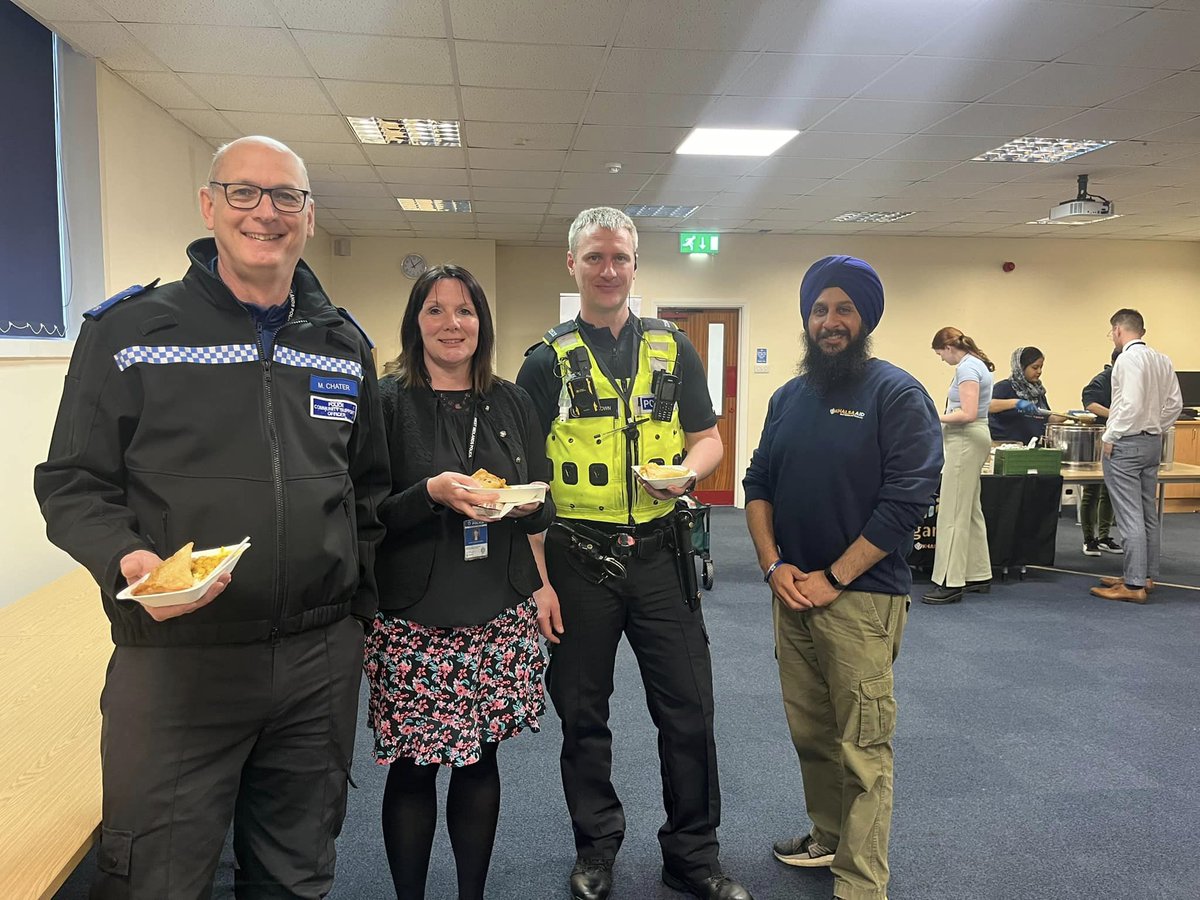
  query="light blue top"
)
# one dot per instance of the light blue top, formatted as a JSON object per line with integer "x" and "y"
{"x": 971, "y": 368}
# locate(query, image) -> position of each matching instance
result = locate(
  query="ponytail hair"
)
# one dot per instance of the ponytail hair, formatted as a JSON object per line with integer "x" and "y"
{"x": 952, "y": 337}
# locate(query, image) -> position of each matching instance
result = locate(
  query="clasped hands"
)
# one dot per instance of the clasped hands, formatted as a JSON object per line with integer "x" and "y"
{"x": 801, "y": 590}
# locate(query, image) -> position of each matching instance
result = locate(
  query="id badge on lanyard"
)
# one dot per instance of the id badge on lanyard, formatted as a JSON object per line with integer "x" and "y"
{"x": 475, "y": 539}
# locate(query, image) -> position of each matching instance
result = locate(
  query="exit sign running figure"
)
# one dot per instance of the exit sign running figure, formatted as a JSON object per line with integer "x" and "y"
{"x": 695, "y": 242}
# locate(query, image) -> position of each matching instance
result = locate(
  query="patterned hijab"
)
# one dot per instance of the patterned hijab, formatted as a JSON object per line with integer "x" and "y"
{"x": 1023, "y": 388}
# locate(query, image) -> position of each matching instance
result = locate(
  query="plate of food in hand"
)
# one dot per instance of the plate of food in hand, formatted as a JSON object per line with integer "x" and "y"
{"x": 660, "y": 476}
{"x": 508, "y": 496}
{"x": 185, "y": 575}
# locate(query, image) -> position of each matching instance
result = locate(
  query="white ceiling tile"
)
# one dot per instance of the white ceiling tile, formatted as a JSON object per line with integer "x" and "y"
{"x": 165, "y": 89}
{"x": 756, "y": 189}
{"x": 673, "y": 197}
{"x": 1066, "y": 84}
{"x": 834, "y": 145}
{"x": 281, "y": 95}
{"x": 877, "y": 27}
{"x": 348, "y": 173}
{"x": 347, "y": 154}
{"x": 1026, "y": 29}
{"x": 747, "y": 25}
{"x": 112, "y": 44}
{"x": 710, "y": 166}
{"x": 506, "y": 219}
{"x": 228, "y": 49}
{"x": 362, "y": 207}
{"x": 682, "y": 110}
{"x": 562, "y": 22}
{"x": 510, "y": 105}
{"x": 1117, "y": 124}
{"x": 290, "y": 126}
{"x": 1142, "y": 153}
{"x": 527, "y": 65}
{"x": 887, "y": 116}
{"x": 357, "y": 57}
{"x": 206, "y": 123}
{"x": 397, "y": 101}
{"x": 895, "y": 169}
{"x": 973, "y": 172}
{"x": 631, "y": 163}
{"x": 433, "y": 157}
{"x": 66, "y": 11}
{"x": 189, "y": 12}
{"x": 809, "y": 75}
{"x": 532, "y": 160}
{"x": 765, "y": 112}
{"x": 835, "y": 187}
{"x": 501, "y": 178}
{"x": 1186, "y": 132}
{"x": 520, "y": 195}
{"x": 950, "y": 148}
{"x": 801, "y": 167}
{"x": 1179, "y": 92}
{"x": 996, "y": 118}
{"x": 412, "y": 18}
{"x": 637, "y": 139}
{"x": 579, "y": 198}
{"x": 505, "y": 135}
{"x": 936, "y": 78}
{"x": 689, "y": 184}
{"x": 595, "y": 181}
{"x": 429, "y": 189}
{"x": 1168, "y": 37}
{"x": 419, "y": 175}
{"x": 940, "y": 188}
{"x": 343, "y": 189}
{"x": 503, "y": 206}
{"x": 673, "y": 71}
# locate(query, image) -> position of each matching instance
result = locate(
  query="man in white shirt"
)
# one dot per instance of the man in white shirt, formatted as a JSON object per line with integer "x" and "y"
{"x": 1146, "y": 401}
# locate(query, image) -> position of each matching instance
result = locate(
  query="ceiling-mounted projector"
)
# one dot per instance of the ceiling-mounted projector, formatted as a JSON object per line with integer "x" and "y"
{"x": 1084, "y": 209}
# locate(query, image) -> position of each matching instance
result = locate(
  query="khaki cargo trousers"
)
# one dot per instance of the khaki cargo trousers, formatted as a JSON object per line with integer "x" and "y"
{"x": 835, "y": 667}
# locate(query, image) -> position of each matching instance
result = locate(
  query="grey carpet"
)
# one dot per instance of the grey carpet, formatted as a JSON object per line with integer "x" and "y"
{"x": 1046, "y": 749}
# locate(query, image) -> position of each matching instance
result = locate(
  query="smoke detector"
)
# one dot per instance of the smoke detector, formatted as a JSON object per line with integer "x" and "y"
{"x": 614, "y": 168}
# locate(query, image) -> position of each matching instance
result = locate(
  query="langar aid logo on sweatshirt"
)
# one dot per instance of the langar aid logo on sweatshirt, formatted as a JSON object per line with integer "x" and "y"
{"x": 846, "y": 413}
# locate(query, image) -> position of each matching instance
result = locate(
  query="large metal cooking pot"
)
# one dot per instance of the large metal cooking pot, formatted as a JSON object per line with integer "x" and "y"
{"x": 1168, "y": 450}
{"x": 1081, "y": 445}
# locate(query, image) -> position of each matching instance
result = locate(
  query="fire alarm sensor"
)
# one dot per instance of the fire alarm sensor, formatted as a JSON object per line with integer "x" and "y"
{"x": 1009, "y": 266}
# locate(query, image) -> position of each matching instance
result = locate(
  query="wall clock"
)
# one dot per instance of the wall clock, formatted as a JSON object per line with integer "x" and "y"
{"x": 414, "y": 265}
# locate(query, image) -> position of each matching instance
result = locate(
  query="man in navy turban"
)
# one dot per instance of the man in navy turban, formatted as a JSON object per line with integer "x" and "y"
{"x": 847, "y": 464}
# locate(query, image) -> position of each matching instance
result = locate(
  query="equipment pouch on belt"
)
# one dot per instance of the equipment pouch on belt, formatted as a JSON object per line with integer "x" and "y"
{"x": 682, "y": 523}
{"x": 593, "y": 547}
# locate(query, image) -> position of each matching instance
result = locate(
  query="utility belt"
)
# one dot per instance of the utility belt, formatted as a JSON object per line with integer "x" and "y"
{"x": 605, "y": 548}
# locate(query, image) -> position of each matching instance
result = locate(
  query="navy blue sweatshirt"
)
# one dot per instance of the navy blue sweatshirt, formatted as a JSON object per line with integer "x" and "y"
{"x": 866, "y": 460}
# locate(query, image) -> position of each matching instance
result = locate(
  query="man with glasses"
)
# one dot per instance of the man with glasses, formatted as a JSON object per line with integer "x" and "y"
{"x": 237, "y": 401}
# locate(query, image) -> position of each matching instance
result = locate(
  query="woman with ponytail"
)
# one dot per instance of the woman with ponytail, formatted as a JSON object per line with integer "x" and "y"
{"x": 961, "y": 562}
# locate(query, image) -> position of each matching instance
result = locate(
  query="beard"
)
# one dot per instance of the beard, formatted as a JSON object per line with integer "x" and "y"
{"x": 828, "y": 371}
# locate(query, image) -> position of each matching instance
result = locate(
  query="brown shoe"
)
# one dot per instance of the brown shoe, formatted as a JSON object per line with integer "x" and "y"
{"x": 1113, "y": 581}
{"x": 1120, "y": 592}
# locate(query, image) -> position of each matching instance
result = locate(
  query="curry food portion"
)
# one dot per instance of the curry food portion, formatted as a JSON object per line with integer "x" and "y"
{"x": 181, "y": 571}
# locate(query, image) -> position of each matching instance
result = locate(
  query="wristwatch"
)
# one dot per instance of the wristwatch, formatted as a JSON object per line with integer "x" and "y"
{"x": 833, "y": 579}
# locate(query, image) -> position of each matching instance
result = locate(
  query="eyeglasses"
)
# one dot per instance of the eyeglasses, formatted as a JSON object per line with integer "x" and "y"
{"x": 248, "y": 196}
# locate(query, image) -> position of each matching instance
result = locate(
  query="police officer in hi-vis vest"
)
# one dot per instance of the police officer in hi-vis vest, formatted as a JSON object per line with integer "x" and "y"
{"x": 614, "y": 392}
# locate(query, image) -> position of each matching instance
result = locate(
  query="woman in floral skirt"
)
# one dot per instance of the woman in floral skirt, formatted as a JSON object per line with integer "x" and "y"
{"x": 453, "y": 660}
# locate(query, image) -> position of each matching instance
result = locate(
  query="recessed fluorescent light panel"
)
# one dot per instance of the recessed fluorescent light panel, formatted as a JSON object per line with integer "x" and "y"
{"x": 1092, "y": 221}
{"x": 414, "y": 205}
{"x": 413, "y": 132}
{"x": 875, "y": 218}
{"x": 663, "y": 212}
{"x": 1040, "y": 150}
{"x": 734, "y": 141}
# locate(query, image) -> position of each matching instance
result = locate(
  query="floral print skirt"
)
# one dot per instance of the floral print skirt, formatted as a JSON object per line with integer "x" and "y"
{"x": 437, "y": 694}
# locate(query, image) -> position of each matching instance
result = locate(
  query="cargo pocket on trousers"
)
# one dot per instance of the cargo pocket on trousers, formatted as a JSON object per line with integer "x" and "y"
{"x": 116, "y": 847}
{"x": 876, "y": 710}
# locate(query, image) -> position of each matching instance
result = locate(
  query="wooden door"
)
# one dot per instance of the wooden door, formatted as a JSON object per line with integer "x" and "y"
{"x": 699, "y": 324}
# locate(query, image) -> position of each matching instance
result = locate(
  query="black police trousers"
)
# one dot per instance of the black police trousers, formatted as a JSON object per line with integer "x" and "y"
{"x": 195, "y": 737}
{"x": 671, "y": 646}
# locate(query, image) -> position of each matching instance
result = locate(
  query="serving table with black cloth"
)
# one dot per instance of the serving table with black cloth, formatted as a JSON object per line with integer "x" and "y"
{"x": 1021, "y": 513}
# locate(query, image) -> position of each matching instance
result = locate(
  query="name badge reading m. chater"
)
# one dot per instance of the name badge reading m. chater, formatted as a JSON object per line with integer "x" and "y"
{"x": 475, "y": 539}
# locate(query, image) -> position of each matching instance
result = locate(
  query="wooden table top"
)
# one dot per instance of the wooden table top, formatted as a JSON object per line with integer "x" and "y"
{"x": 1179, "y": 473}
{"x": 54, "y": 648}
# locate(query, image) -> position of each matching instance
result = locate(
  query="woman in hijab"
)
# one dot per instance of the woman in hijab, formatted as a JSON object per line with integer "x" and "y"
{"x": 1019, "y": 409}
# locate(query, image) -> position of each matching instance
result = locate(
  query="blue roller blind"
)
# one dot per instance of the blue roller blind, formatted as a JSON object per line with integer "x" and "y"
{"x": 31, "y": 290}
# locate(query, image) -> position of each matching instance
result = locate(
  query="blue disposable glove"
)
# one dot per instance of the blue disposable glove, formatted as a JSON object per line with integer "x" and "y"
{"x": 1027, "y": 407}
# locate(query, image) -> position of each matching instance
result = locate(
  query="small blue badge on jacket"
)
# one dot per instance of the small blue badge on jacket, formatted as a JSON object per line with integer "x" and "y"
{"x": 332, "y": 408}
{"x": 331, "y": 384}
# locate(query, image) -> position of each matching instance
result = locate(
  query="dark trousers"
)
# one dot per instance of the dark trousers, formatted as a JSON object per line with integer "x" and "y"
{"x": 195, "y": 737}
{"x": 1095, "y": 512}
{"x": 671, "y": 647}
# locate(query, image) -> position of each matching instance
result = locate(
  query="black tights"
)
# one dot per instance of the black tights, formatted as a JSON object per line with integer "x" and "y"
{"x": 410, "y": 817}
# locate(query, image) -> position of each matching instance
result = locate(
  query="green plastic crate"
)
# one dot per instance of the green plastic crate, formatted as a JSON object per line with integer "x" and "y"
{"x": 1040, "y": 460}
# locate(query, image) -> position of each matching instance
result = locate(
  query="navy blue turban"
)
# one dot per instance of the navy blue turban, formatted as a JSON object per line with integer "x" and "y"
{"x": 853, "y": 276}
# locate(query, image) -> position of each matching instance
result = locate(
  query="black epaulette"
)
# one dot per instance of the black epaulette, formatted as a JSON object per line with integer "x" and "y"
{"x": 101, "y": 308}
{"x": 559, "y": 330}
{"x": 659, "y": 324}
{"x": 353, "y": 321}
{"x": 533, "y": 347}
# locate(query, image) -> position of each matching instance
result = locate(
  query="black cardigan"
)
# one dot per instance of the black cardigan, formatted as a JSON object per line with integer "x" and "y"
{"x": 405, "y": 558}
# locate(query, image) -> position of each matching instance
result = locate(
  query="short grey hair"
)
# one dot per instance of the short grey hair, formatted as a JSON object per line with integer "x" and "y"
{"x": 219, "y": 156}
{"x": 600, "y": 217}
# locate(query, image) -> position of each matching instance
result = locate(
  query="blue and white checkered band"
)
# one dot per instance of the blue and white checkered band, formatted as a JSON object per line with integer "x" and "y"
{"x": 215, "y": 355}
{"x": 289, "y": 357}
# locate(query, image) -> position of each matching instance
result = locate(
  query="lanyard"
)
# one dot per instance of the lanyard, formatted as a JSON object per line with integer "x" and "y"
{"x": 446, "y": 426}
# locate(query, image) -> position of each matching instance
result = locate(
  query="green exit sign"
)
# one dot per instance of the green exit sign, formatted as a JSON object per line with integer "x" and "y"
{"x": 698, "y": 242}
